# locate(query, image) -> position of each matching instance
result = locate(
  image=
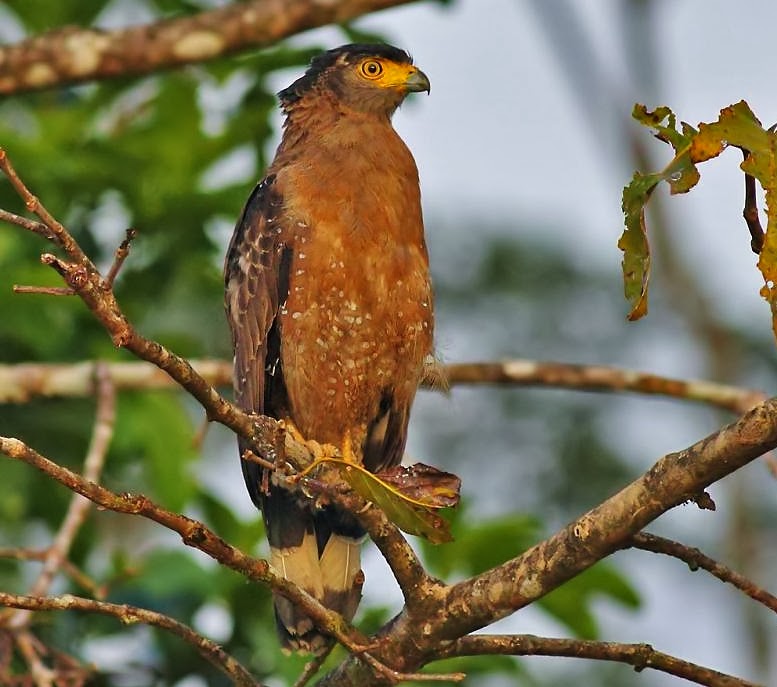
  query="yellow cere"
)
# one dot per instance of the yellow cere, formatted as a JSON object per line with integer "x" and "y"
{"x": 385, "y": 73}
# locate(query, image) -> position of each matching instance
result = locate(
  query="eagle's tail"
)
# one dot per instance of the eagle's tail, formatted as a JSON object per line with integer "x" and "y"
{"x": 318, "y": 551}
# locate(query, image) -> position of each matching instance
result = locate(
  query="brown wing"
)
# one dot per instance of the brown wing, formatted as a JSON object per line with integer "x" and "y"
{"x": 256, "y": 276}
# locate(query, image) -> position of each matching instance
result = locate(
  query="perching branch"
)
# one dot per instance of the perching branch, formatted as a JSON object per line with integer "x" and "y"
{"x": 72, "y": 54}
{"x": 695, "y": 559}
{"x": 640, "y": 656}
{"x": 128, "y": 615}
{"x": 197, "y": 535}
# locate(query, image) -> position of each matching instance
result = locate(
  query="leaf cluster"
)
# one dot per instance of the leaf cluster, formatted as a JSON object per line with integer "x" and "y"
{"x": 737, "y": 127}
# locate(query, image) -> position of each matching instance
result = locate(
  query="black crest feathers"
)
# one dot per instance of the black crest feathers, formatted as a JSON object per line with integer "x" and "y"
{"x": 352, "y": 52}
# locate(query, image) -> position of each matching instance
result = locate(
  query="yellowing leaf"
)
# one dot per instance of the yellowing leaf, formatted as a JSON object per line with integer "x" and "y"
{"x": 680, "y": 174}
{"x": 408, "y": 496}
{"x": 736, "y": 126}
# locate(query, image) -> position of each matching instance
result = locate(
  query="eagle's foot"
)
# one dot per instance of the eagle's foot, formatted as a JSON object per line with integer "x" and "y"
{"x": 303, "y": 449}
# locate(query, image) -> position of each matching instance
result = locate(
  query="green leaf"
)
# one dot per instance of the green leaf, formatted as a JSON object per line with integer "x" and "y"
{"x": 408, "y": 508}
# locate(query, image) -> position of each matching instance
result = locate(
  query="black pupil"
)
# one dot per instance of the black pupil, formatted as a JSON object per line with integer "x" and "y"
{"x": 372, "y": 68}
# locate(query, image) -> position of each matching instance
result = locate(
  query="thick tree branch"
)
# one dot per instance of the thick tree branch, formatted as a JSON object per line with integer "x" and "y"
{"x": 640, "y": 656}
{"x": 695, "y": 559}
{"x": 416, "y": 634}
{"x": 128, "y": 615}
{"x": 676, "y": 478}
{"x": 73, "y": 54}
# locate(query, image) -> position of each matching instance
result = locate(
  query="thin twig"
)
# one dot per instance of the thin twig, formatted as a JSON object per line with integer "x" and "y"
{"x": 640, "y": 656}
{"x": 395, "y": 676}
{"x": 29, "y": 224}
{"x": 313, "y": 666}
{"x": 127, "y": 614}
{"x": 30, "y": 650}
{"x": 121, "y": 255}
{"x": 79, "y": 506}
{"x": 695, "y": 559}
{"x": 56, "y": 232}
{"x": 44, "y": 290}
{"x": 750, "y": 212}
{"x": 81, "y": 275}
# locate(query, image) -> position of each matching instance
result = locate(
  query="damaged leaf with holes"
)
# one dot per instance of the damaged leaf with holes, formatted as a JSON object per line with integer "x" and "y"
{"x": 681, "y": 175}
{"x": 736, "y": 126}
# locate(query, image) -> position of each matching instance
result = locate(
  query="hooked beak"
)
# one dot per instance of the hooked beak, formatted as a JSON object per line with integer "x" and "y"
{"x": 417, "y": 81}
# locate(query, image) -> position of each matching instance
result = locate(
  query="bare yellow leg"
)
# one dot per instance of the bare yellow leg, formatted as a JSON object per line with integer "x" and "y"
{"x": 348, "y": 455}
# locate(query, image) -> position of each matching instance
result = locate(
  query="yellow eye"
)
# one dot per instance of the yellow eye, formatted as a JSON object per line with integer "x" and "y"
{"x": 372, "y": 69}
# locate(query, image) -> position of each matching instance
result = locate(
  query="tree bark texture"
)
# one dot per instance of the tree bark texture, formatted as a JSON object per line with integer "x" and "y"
{"x": 74, "y": 54}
